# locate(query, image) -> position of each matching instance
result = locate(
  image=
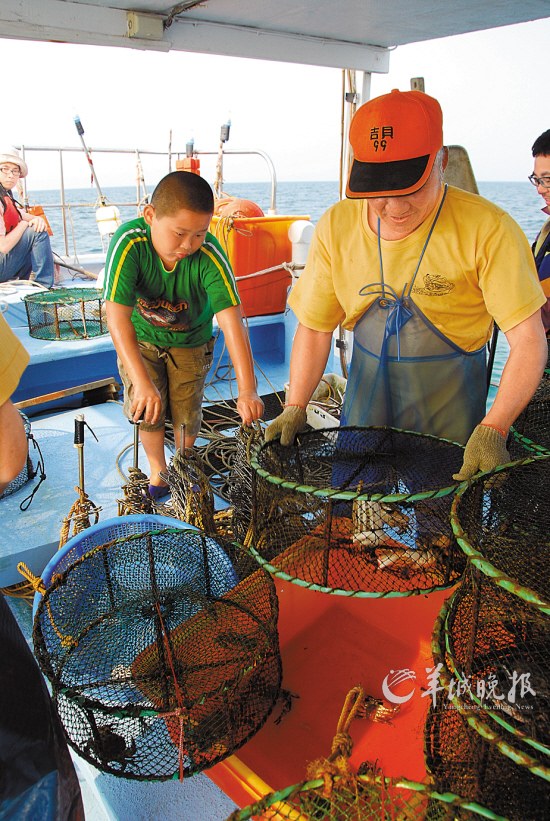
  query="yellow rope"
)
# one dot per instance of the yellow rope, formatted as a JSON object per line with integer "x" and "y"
{"x": 78, "y": 516}
{"x": 192, "y": 497}
{"x": 38, "y": 586}
{"x": 137, "y": 498}
{"x": 337, "y": 764}
{"x": 35, "y": 581}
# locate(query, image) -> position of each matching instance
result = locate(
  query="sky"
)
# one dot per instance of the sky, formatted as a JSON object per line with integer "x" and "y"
{"x": 492, "y": 86}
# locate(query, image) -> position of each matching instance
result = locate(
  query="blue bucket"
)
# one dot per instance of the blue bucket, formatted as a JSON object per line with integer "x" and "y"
{"x": 116, "y": 528}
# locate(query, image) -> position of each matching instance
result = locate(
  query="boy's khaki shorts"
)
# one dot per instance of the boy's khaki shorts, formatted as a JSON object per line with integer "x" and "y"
{"x": 179, "y": 375}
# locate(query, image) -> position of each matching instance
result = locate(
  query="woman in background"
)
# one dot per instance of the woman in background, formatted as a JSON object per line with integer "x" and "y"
{"x": 24, "y": 241}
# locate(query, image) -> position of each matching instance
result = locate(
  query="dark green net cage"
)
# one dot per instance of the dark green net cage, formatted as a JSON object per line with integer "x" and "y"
{"x": 366, "y": 797}
{"x": 162, "y": 652}
{"x": 496, "y": 632}
{"x": 468, "y": 753}
{"x": 496, "y": 648}
{"x": 530, "y": 433}
{"x": 356, "y": 511}
{"x": 502, "y": 523}
{"x": 66, "y": 313}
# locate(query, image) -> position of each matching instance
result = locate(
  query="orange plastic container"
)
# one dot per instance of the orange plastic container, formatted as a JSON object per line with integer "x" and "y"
{"x": 329, "y": 644}
{"x": 192, "y": 164}
{"x": 254, "y": 244}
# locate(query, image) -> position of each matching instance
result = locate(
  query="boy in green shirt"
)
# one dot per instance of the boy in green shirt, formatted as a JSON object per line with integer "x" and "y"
{"x": 166, "y": 277}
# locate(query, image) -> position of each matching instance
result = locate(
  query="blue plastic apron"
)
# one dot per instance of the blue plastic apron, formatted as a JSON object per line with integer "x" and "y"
{"x": 405, "y": 373}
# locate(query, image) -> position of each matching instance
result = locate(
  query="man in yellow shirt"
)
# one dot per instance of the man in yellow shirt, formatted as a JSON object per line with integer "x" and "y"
{"x": 419, "y": 271}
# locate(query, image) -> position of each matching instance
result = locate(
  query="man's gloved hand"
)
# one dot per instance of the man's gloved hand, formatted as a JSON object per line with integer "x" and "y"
{"x": 290, "y": 422}
{"x": 485, "y": 450}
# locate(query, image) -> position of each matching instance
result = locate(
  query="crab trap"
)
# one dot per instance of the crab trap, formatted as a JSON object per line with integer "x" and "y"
{"x": 97, "y": 535}
{"x": 497, "y": 627}
{"x": 502, "y": 523}
{"x": 162, "y": 651}
{"x": 466, "y": 752}
{"x": 357, "y": 511}
{"x": 530, "y": 433}
{"x": 367, "y": 797}
{"x": 66, "y": 313}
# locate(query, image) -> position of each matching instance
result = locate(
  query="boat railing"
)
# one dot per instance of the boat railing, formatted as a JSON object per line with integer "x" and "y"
{"x": 64, "y": 207}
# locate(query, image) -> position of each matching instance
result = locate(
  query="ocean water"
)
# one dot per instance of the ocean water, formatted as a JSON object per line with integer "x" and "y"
{"x": 311, "y": 199}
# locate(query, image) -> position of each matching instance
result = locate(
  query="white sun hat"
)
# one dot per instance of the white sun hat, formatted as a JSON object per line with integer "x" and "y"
{"x": 11, "y": 154}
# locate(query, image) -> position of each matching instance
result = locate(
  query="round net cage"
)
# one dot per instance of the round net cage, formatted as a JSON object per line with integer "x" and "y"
{"x": 466, "y": 753}
{"x": 66, "y": 313}
{"x": 502, "y": 523}
{"x": 162, "y": 652}
{"x": 365, "y": 797}
{"x": 357, "y": 511}
{"x": 496, "y": 649}
{"x": 530, "y": 433}
{"x": 334, "y": 791}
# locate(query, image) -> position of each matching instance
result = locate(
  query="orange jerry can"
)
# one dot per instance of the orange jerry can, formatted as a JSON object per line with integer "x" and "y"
{"x": 254, "y": 244}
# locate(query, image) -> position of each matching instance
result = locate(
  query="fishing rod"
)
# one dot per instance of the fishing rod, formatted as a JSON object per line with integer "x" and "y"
{"x": 76, "y": 268}
{"x": 107, "y": 216}
{"x": 80, "y": 131}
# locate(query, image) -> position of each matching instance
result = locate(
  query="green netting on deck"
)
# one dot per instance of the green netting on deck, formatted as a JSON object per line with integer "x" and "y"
{"x": 66, "y": 313}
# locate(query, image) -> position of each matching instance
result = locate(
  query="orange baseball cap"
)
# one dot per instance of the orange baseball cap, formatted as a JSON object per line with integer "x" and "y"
{"x": 395, "y": 139}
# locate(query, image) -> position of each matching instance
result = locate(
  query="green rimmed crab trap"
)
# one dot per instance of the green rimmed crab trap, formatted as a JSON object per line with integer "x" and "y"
{"x": 467, "y": 752}
{"x": 488, "y": 735}
{"x": 368, "y": 797}
{"x": 355, "y": 511}
{"x": 530, "y": 433}
{"x": 162, "y": 652}
{"x": 66, "y": 313}
{"x": 494, "y": 638}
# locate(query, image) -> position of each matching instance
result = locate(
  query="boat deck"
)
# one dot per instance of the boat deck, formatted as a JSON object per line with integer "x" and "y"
{"x": 328, "y": 644}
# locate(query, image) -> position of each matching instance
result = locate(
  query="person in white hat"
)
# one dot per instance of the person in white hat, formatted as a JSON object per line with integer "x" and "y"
{"x": 24, "y": 241}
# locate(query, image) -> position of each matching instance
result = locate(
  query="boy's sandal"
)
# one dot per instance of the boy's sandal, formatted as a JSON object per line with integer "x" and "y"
{"x": 158, "y": 492}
